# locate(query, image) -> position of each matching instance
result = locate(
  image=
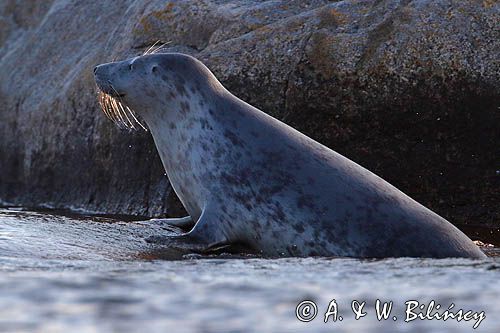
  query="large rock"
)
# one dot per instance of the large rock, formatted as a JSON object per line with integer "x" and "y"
{"x": 409, "y": 89}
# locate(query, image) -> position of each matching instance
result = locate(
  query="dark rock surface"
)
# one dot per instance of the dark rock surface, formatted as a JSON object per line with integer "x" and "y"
{"x": 408, "y": 89}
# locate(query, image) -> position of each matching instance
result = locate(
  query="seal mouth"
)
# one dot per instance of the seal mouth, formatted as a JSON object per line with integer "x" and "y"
{"x": 107, "y": 87}
{"x": 117, "y": 111}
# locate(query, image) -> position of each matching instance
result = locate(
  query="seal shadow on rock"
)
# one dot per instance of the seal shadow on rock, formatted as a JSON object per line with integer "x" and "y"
{"x": 244, "y": 177}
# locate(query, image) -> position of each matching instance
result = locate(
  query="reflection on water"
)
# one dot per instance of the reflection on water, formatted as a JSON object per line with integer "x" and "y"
{"x": 81, "y": 274}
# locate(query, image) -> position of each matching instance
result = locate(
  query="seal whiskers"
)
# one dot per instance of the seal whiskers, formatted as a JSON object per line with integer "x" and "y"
{"x": 153, "y": 50}
{"x": 102, "y": 103}
{"x": 118, "y": 112}
{"x": 132, "y": 113}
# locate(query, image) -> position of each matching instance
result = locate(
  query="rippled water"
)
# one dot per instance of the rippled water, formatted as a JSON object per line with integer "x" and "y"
{"x": 88, "y": 274}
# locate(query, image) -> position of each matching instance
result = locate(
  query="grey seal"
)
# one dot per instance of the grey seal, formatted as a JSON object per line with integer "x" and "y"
{"x": 245, "y": 177}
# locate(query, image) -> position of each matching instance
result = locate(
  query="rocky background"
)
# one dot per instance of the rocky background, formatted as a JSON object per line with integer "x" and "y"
{"x": 408, "y": 89}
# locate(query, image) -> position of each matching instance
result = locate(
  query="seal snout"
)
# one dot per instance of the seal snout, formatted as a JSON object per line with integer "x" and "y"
{"x": 98, "y": 70}
{"x": 104, "y": 83}
{"x": 101, "y": 80}
{"x": 110, "y": 97}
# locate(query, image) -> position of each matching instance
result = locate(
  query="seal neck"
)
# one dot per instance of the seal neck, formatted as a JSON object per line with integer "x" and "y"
{"x": 182, "y": 131}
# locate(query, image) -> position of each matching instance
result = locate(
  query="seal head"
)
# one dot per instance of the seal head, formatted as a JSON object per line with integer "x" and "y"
{"x": 150, "y": 82}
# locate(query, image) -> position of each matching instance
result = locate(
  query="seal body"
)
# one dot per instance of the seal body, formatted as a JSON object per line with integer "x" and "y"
{"x": 245, "y": 177}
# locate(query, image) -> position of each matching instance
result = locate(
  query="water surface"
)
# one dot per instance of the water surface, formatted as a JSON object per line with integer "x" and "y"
{"x": 93, "y": 274}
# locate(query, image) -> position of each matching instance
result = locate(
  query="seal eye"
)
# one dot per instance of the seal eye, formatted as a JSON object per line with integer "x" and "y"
{"x": 154, "y": 69}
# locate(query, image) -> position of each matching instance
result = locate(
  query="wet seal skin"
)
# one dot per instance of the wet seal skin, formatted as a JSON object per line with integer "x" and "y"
{"x": 244, "y": 177}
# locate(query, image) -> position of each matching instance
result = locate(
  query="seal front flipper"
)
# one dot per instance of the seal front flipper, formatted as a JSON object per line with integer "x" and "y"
{"x": 207, "y": 235}
{"x": 185, "y": 223}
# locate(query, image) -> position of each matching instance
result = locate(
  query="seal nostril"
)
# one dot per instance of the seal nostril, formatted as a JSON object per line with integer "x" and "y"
{"x": 95, "y": 69}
